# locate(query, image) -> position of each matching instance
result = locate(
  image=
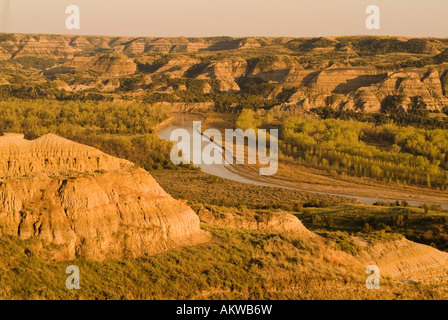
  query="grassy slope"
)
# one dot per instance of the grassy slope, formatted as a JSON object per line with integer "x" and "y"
{"x": 238, "y": 264}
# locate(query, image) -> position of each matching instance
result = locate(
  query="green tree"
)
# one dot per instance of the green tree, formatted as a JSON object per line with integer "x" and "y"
{"x": 425, "y": 207}
{"x": 366, "y": 228}
{"x": 390, "y": 104}
{"x": 329, "y": 221}
{"x": 316, "y": 219}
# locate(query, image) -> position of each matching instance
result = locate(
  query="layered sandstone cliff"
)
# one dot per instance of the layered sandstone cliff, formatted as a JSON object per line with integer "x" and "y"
{"x": 86, "y": 202}
{"x": 404, "y": 259}
{"x": 425, "y": 83}
{"x": 108, "y": 64}
{"x": 348, "y": 73}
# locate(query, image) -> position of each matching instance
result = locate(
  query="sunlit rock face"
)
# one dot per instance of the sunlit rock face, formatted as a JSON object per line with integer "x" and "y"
{"x": 81, "y": 202}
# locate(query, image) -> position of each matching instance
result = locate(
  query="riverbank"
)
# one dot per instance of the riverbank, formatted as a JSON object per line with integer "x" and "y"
{"x": 310, "y": 181}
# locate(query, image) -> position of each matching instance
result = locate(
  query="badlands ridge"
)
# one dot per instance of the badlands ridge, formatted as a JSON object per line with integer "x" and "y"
{"x": 86, "y": 202}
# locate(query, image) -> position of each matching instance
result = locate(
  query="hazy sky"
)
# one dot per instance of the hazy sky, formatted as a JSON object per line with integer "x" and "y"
{"x": 172, "y": 18}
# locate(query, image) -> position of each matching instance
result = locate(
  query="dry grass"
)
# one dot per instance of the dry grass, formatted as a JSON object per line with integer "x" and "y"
{"x": 239, "y": 264}
{"x": 208, "y": 189}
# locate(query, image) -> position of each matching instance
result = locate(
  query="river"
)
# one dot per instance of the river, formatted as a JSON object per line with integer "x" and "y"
{"x": 240, "y": 173}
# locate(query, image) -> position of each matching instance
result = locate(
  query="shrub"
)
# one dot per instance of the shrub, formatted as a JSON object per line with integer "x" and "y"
{"x": 316, "y": 219}
{"x": 366, "y": 228}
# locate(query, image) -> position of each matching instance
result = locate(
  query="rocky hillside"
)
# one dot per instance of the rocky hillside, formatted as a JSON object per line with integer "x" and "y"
{"x": 348, "y": 73}
{"x": 397, "y": 257}
{"x": 81, "y": 202}
{"x": 274, "y": 222}
{"x": 404, "y": 259}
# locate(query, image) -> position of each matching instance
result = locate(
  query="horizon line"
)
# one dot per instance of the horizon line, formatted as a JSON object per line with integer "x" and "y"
{"x": 225, "y": 36}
